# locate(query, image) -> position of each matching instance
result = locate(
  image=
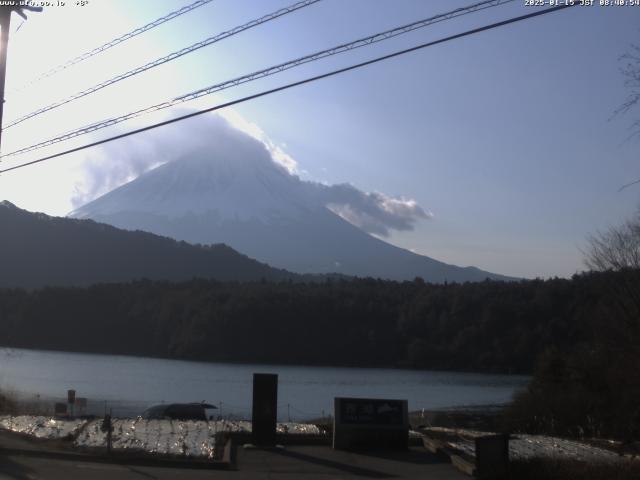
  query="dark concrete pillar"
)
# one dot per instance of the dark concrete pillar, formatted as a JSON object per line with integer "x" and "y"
{"x": 265, "y": 408}
{"x": 492, "y": 457}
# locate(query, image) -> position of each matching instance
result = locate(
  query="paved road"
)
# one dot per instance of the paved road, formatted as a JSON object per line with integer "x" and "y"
{"x": 292, "y": 462}
{"x": 34, "y": 468}
{"x": 312, "y": 463}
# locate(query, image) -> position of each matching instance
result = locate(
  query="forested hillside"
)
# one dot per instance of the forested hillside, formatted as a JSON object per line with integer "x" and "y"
{"x": 38, "y": 250}
{"x": 488, "y": 326}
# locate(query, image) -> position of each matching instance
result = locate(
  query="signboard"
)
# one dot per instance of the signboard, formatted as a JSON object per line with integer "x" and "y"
{"x": 80, "y": 407}
{"x": 368, "y": 411}
{"x": 60, "y": 409}
{"x": 370, "y": 423}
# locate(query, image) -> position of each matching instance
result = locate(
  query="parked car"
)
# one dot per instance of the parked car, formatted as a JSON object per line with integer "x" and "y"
{"x": 179, "y": 411}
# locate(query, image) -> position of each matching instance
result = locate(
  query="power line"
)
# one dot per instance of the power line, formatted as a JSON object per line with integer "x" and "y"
{"x": 5, "y": 24}
{"x": 167, "y": 58}
{"x": 362, "y": 42}
{"x": 628, "y": 185}
{"x": 295, "y": 84}
{"x": 116, "y": 41}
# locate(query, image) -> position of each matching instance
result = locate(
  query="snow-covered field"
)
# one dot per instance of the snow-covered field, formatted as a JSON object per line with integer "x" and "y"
{"x": 167, "y": 437}
{"x": 522, "y": 446}
{"x": 42, "y": 427}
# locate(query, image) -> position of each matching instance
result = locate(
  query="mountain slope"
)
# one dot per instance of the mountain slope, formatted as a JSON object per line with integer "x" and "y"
{"x": 38, "y": 250}
{"x": 232, "y": 192}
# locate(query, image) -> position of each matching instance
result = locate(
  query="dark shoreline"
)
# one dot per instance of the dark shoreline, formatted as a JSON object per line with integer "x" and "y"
{"x": 266, "y": 363}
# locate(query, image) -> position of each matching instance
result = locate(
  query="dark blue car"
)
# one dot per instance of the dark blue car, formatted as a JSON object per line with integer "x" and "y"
{"x": 179, "y": 411}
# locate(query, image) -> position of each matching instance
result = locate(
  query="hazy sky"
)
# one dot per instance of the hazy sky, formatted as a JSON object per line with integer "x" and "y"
{"x": 506, "y": 137}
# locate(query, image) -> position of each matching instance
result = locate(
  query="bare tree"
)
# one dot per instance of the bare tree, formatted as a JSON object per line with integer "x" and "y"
{"x": 616, "y": 249}
{"x": 631, "y": 73}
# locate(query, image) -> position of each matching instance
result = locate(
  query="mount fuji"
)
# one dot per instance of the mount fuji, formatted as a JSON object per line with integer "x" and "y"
{"x": 226, "y": 188}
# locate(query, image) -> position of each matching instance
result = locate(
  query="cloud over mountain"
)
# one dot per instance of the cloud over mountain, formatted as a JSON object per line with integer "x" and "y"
{"x": 121, "y": 162}
{"x": 373, "y": 212}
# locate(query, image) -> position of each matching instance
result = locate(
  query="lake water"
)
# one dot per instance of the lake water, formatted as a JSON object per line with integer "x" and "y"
{"x": 131, "y": 384}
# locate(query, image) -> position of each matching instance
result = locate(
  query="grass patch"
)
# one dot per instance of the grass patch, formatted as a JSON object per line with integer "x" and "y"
{"x": 8, "y": 404}
{"x": 11, "y": 404}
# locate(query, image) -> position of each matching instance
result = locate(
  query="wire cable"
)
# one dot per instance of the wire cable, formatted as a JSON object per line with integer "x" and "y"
{"x": 295, "y": 84}
{"x": 362, "y": 42}
{"x": 167, "y": 58}
{"x": 116, "y": 41}
{"x": 628, "y": 185}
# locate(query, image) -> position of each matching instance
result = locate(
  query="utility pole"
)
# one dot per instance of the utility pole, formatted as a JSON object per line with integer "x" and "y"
{"x": 5, "y": 23}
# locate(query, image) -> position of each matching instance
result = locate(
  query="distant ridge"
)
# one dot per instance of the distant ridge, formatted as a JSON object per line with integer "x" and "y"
{"x": 37, "y": 250}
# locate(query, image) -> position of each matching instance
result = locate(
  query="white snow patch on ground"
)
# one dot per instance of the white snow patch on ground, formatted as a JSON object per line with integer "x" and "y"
{"x": 531, "y": 446}
{"x": 523, "y": 446}
{"x": 42, "y": 427}
{"x": 165, "y": 437}
{"x": 295, "y": 428}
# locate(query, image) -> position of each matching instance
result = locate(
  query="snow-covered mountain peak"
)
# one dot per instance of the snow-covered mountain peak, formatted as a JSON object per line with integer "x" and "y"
{"x": 223, "y": 186}
{"x": 230, "y": 179}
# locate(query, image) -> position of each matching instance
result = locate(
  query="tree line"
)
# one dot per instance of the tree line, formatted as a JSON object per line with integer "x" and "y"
{"x": 488, "y": 326}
